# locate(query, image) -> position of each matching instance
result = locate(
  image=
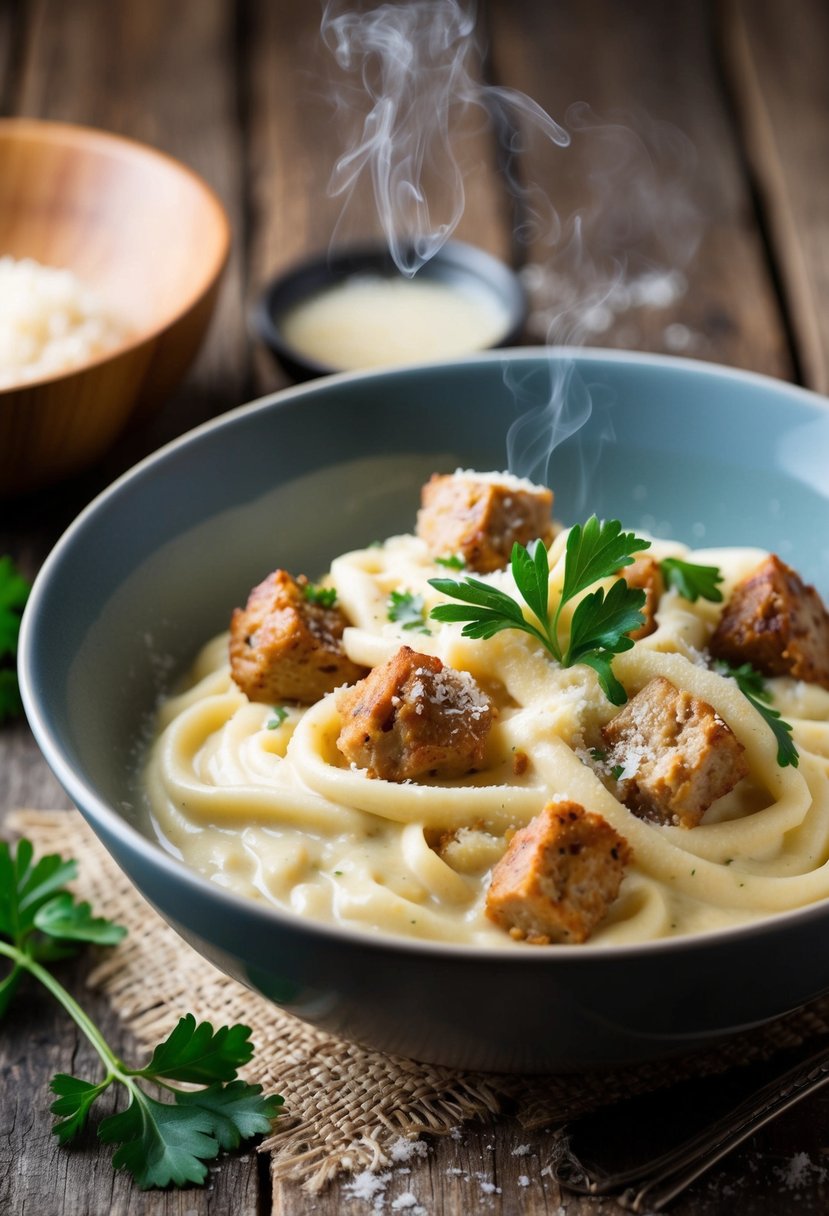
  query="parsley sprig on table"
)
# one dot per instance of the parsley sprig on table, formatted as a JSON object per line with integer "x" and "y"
{"x": 753, "y": 688}
{"x": 159, "y": 1141}
{"x": 601, "y": 621}
{"x": 14, "y": 591}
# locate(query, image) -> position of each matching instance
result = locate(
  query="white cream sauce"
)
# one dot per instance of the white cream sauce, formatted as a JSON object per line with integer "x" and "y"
{"x": 374, "y": 321}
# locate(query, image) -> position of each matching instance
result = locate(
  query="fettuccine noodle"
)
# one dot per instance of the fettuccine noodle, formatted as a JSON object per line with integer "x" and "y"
{"x": 272, "y": 809}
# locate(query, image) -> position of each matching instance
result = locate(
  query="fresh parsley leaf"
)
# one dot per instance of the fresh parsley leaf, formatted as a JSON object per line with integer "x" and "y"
{"x": 600, "y": 661}
{"x": 63, "y": 918}
{"x": 531, "y": 571}
{"x": 237, "y": 1111}
{"x": 75, "y": 1100}
{"x": 325, "y": 597}
{"x": 490, "y": 611}
{"x": 452, "y": 561}
{"x": 160, "y": 1142}
{"x": 14, "y": 591}
{"x": 693, "y": 582}
{"x": 163, "y": 1143}
{"x": 25, "y": 887}
{"x": 407, "y": 610}
{"x": 753, "y": 688}
{"x": 595, "y": 551}
{"x": 749, "y": 679}
{"x": 600, "y": 623}
{"x": 599, "y": 630}
{"x": 280, "y": 713}
{"x": 198, "y": 1054}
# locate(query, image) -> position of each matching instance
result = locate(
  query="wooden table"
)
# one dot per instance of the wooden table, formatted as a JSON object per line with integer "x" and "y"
{"x": 237, "y": 91}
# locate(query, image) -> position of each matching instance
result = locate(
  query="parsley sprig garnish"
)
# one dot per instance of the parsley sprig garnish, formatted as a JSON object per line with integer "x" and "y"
{"x": 159, "y": 1141}
{"x": 693, "y": 582}
{"x": 14, "y": 591}
{"x": 407, "y": 610}
{"x": 753, "y": 687}
{"x": 601, "y": 621}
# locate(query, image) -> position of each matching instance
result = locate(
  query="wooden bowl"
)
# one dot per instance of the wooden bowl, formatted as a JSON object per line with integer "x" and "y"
{"x": 150, "y": 239}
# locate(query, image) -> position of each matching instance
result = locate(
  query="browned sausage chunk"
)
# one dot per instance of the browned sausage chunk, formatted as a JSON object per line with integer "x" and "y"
{"x": 481, "y": 519}
{"x": 283, "y": 647}
{"x": 559, "y": 876}
{"x": 644, "y": 573}
{"x": 412, "y": 717}
{"x": 677, "y": 755}
{"x": 776, "y": 622}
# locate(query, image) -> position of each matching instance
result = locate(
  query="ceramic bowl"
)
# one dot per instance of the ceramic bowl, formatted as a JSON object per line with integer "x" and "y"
{"x": 149, "y": 238}
{"x": 470, "y": 271}
{"x": 154, "y": 566}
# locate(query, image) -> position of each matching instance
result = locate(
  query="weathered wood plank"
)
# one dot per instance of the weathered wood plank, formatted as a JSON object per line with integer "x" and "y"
{"x": 500, "y": 1170}
{"x": 776, "y": 58}
{"x": 13, "y": 34}
{"x": 646, "y": 195}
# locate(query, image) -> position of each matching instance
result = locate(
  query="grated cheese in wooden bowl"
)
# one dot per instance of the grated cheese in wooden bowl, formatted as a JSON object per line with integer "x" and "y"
{"x": 50, "y": 322}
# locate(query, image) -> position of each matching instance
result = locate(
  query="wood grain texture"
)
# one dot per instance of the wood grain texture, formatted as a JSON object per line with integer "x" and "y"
{"x": 235, "y": 91}
{"x": 776, "y": 58}
{"x": 13, "y": 37}
{"x": 654, "y": 171}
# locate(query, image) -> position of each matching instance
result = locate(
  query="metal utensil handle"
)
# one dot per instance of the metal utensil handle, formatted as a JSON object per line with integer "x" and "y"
{"x": 660, "y": 1188}
{"x": 662, "y": 1179}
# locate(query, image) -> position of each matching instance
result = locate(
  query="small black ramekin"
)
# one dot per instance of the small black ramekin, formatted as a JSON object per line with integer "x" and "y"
{"x": 454, "y": 263}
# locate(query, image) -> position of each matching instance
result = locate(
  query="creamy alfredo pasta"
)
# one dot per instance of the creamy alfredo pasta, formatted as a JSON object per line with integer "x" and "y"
{"x": 260, "y": 800}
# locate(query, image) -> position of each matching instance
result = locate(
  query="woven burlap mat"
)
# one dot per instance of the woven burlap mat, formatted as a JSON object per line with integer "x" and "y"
{"x": 344, "y": 1106}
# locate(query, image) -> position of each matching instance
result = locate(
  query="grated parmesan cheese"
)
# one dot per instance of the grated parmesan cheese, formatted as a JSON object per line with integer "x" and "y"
{"x": 50, "y": 322}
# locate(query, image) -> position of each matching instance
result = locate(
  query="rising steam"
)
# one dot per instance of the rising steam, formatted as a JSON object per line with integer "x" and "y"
{"x": 616, "y": 239}
{"x": 631, "y": 232}
{"x": 408, "y": 79}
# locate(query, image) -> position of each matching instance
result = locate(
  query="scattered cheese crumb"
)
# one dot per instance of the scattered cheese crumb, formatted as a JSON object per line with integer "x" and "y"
{"x": 799, "y": 1171}
{"x": 405, "y": 1150}
{"x": 366, "y": 1185}
{"x": 404, "y": 1202}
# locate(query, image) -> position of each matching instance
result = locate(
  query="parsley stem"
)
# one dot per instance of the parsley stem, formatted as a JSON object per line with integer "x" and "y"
{"x": 8, "y": 985}
{"x": 552, "y": 631}
{"x": 84, "y": 1023}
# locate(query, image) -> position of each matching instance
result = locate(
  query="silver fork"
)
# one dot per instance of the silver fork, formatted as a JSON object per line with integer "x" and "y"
{"x": 654, "y": 1184}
